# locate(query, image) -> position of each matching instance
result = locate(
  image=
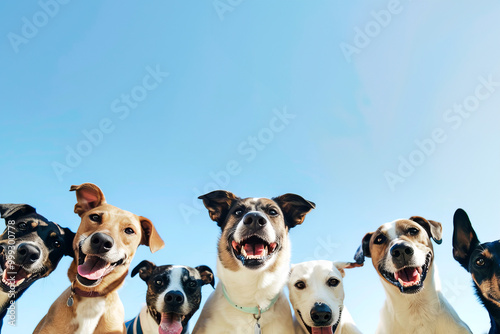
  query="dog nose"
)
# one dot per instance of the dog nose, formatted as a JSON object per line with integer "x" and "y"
{"x": 174, "y": 298}
{"x": 321, "y": 314}
{"x": 101, "y": 243}
{"x": 27, "y": 254}
{"x": 401, "y": 253}
{"x": 254, "y": 218}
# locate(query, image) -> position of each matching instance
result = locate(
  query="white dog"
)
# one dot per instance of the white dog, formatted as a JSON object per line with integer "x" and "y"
{"x": 317, "y": 296}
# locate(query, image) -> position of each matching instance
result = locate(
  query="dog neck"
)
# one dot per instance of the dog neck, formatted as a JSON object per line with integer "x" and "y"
{"x": 493, "y": 311}
{"x": 252, "y": 288}
{"x": 422, "y": 306}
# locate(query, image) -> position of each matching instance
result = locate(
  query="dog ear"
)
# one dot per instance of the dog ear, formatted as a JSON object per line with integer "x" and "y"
{"x": 15, "y": 210}
{"x": 294, "y": 208}
{"x": 207, "y": 275}
{"x": 150, "y": 237}
{"x": 88, "y": 196}
{"x": 363, "y": 250}
{"x": 218, "y": 204}
{"x": 433, "y": 228}
{"x": 346, "y": 265}
{"x": 464, "y": 238}
{"x": 145, "y": 270}
{"x": 69, "y": 236}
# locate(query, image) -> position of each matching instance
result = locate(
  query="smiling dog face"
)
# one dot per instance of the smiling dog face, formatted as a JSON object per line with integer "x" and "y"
{"x": 254, "y": 230}
{"x": 317, "y": 294}
{"x": 106, "y": 240}
{"x": 30, "y": 247}
{"x": 402, "y": 252}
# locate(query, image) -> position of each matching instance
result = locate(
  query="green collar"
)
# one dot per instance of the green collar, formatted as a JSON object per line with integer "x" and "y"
{"x": 252, "y": 310}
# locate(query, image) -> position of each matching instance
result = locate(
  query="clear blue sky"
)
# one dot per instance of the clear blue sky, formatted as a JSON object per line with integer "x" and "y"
{"x": 362, "y": 90}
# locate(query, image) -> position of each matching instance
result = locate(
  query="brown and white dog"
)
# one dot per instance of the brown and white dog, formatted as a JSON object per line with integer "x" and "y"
{"x": 253, "y": 263}
{"x": 403, "y": 256}
{"x": 104, "y": 246}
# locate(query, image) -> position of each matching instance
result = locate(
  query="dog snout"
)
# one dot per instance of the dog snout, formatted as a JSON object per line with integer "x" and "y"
{"x": 174, "y": 299}
{"x": 254, "y": 219}
{"x": 101, "y": 243}
{"x": 321, "y": 314}
{"x": 401, "y": 253}
{"x": 27, "y": 254}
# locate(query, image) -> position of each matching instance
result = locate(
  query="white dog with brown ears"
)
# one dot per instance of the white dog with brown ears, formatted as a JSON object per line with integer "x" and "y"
{"x": 253, "y": 263}
{"x": 403, "y": 257}
{"x": 317, "y": 296}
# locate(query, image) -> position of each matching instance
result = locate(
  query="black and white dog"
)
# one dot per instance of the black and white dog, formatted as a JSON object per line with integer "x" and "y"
{"x": 482, "y": 261}
{"x": 253, "y": 263}
{"x": 174, "y": 295}
{"x": 30, "y": 249}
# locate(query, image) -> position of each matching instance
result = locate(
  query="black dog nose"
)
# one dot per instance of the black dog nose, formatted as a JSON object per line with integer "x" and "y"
{"x": 27, "y": 254}
{"x": 254, "y": 218}
{"x": 321, "y": 314}
{"x": 101, "y": 243}
{"x": 174, "y": 298}
{"x": 401, "y": 253}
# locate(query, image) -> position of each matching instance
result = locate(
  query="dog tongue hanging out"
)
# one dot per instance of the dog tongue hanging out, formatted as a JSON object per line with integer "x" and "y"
{"x": 104, "y": 246}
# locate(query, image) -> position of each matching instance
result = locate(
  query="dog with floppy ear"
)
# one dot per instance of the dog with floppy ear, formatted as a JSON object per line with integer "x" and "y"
{"x": 173, "y": 297}
{"x": 403, "y": 256}
{"x": 104, "y": 246}
{"x": 482, "y": 261}
{"x": 252, "y": 264}
{"x": 30, "y": 248}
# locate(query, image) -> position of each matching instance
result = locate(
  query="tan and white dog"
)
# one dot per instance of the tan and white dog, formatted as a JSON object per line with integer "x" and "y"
{"x": 104, "y": 246}
{"x": 317, "y": 296}
{"x": 403, "y": 256}
{"x": 253, "y": 263}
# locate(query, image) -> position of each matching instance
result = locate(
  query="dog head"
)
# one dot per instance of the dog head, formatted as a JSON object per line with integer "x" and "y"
{"x": 317, "y": 294}
{"x": 107, "y": 240}
{"x": 402, "y": 252}
{"x": 482, "y": 260}
{"x": 174, "y": 293}
{"x": 254, "y": 230}
{"x": 30, "y": 247}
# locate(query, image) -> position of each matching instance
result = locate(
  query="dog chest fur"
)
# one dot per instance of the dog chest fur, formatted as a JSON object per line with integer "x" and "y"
{"x": 88, "y": 313}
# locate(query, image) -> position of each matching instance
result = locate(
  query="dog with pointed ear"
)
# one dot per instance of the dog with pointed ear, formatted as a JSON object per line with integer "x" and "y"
{"x": 402, "y": 253}
{"x": 31, "y": 247}
{"x": 104, "y": 246}
{"x": 254, "y": 246}
{"x": 482, "y": 261}
{"x": 173, "y": 297}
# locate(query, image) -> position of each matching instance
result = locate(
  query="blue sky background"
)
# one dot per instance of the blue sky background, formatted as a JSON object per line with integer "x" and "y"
{"x": 353, "y": 120}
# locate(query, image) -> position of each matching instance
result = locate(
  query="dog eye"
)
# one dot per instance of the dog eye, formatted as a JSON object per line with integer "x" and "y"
{"x": 193, "y": 284}
{"x": 380, "y": 239}
{"x": 56, "y": 244}
{"x": 158, "y": 282}
{"x": 95, "y": 218}
{"x": 238, "y": 212}
{"x": 129, "y": 230}
{"x": 22, "y": 226}
{"x": 480, "y": 262}
{"x": 413, "y": 231}
{"x": 273, "y": 212}
{"x": 333, "y": 282}
{"x": 300, "y": 285}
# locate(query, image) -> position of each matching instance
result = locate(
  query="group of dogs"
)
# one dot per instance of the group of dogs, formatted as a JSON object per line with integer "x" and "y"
{"x": 253, "y": 266}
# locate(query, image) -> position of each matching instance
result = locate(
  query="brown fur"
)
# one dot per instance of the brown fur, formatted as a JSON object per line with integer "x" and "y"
{"x": 114, "y": 221}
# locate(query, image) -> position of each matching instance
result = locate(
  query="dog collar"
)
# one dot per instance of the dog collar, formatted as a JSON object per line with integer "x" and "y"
{"x": 83, "y": 293}
{"x": 256, "y": 311}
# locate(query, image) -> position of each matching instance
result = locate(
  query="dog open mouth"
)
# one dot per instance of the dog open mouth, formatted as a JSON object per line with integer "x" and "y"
{"x": 322, "y": 330}
{"x": 15, "y": 277}
{"x": 409, "y": 279}
{"x": 253, "y": 251}
{"x": 92, "y": 268}
{"x": 171, "y": 323}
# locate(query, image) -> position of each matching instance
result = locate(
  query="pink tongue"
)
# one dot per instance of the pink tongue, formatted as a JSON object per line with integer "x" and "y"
{"x": 407, "y": 275}
{"x": 259, "y": 249}
{"x": 322, "y": 330}
{"x": 249, "y": 249}
{"x": 170, "y": 324}
{"x": 93, "y": 268}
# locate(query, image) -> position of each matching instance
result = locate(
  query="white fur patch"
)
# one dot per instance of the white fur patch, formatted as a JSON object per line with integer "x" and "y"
{"x": 174, "y": 285}
{"x": 88, "y": 313}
